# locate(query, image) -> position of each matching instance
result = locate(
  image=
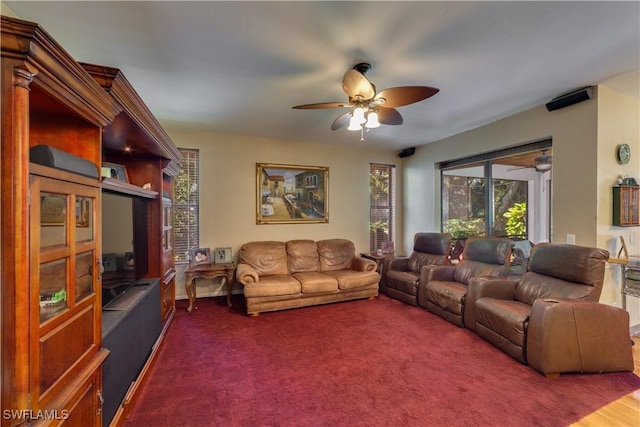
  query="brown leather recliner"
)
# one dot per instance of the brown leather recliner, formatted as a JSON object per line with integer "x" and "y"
{"x": 550, "y": 318}
{"x": 402, "y": 276}
{"x": 444, "y": 289}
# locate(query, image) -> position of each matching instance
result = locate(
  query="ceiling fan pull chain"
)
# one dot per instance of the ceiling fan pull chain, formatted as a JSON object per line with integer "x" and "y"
{"x": 362, "y": 134}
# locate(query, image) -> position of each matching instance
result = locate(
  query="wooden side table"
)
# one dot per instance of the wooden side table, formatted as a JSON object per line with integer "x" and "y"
{"x": 208, "y": 271}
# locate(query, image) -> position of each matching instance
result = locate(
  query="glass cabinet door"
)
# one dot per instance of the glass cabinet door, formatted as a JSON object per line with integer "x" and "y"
{"x": 66, "y": 236}
{"x": 65, "y": 305}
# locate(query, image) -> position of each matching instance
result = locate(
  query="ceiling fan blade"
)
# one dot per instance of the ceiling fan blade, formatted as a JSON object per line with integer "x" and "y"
{"x": 341, "y": 121}
{"x": 404, "y": 95}
{"x": 322, "y": 105}
{"x": 389, "y": 116}
{"x": 356, "y": 85}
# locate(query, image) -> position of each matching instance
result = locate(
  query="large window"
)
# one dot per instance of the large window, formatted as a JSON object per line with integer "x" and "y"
{"x": 504, "y": 193}
{"x": 382, "y": 182}
{"x": 186, "y": 208}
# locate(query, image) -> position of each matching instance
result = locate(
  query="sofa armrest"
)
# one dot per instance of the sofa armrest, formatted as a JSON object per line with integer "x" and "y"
{"x": 481, "y": 287}
{"x": 246, "y": 275}
{"x": 398, "y": 264}
{"x": 567, "y": 335}
{"x": 363, "y": 264}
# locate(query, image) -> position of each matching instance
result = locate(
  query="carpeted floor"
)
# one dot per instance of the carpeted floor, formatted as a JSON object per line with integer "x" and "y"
{"x": 360, "y": 363}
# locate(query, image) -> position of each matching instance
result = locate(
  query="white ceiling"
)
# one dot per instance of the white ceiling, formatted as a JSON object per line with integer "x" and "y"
{"x": 238, "y": 67}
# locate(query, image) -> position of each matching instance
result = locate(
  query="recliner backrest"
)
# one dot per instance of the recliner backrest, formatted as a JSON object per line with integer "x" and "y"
{"x": 562, "y": 271}
{"x": 483, "y": 256}
{"x": 429, "y": 249}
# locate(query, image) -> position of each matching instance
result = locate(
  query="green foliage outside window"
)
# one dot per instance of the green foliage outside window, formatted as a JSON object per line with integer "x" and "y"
{"x": 516, "y": 217}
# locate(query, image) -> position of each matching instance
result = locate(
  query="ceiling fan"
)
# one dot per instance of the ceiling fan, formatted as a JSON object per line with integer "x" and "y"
{"x": 370, "y": 109}
{"x": 541, "y": 163}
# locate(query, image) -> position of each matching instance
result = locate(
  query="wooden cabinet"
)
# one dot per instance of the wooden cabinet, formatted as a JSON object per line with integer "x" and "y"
{"x": 51, "y": 222}
{"x": 50, "y": 303}
{"x": 137, "y": 141}
{"x": 626, "y": 206}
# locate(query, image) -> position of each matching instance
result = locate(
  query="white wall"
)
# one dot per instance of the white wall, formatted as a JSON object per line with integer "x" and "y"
{"x": 228, "y": 191}
{"x": 584, "y": 169}
{"x": 618, "y": 123}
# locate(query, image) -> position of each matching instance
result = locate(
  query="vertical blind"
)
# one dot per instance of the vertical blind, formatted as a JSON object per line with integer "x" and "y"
{"x": 186, "y": 205}
{"x": 382, "y": 205}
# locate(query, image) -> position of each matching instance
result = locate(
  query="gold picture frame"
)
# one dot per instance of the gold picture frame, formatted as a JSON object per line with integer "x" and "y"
{"x": 291, "y": 194}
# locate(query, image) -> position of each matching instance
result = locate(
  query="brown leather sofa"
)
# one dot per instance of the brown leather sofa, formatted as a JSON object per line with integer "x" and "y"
{"x": 550, "y": 318}
{"x": 299, "y": 273}
{"x": 402, "y": 276}
{"x": 443, "y": 291}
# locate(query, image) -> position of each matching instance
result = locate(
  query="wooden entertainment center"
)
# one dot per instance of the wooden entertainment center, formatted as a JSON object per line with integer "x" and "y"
{"x": 80, "y": 117}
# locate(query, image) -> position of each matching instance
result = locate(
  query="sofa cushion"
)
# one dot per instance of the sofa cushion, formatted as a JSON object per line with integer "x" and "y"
{"x": 273, "y": 285}
{"x": 404, "y": 281}
{"x": 447, "y": 295}
{"x": 507, "y": 318}
{"x": 267, "y": 258}
{"x": 314, "y": 282}
{"x": 336, "y": 254}
{"x": 302, "y": 256}
{"x": 533, "y": 286}
{"x": 351, "y": 279}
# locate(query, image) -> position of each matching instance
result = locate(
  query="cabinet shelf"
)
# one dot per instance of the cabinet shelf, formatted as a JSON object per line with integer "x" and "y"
{"x": 116, "y": 186}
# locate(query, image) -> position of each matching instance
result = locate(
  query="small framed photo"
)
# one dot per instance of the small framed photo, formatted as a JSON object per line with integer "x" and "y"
{"x": 200, "y": 256}
{"x": 112, "y": 170}
{"x": 109, "y": 262}
{"x": 387, "y": 247}
{"x": 129, "y": 262}
{"x": 222, "y": 255}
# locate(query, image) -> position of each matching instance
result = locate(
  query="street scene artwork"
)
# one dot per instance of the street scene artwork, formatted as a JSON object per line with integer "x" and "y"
{"x": 291, "y": 194}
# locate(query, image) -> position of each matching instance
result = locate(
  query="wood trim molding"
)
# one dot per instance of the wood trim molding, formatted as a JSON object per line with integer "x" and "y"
{"x": 56, "y": 72}
{"x": 155, "y": 139}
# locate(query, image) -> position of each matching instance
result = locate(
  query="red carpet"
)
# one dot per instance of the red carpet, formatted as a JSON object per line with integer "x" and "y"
{"x": 359, "y": 363}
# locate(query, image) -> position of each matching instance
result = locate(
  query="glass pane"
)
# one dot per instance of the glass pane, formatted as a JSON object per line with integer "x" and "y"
{"x": 510, "y": 208}
{"x": 84, "y": 219}
{"x": 53, "y": 219}
{"x": 84, "y": 275}
{"x": 463, "y": 202}
{"x": 53, "y": 291}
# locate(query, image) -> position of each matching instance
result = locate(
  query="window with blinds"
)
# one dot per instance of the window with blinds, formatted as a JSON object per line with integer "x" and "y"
{"x": 382, "y": 181}
{"x": 186, "y": 207}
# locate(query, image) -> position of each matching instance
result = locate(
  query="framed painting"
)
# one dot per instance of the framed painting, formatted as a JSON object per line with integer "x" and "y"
{"x": 288, "y": 194}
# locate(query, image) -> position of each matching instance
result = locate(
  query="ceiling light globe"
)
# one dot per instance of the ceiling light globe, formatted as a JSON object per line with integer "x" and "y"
{"x": 354, "y": 125}
{"x": 358, "y": 115}
{"x": 372, "y": 120}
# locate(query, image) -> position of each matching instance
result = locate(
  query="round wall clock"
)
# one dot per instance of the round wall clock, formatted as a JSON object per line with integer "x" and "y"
{"x": 624, "y": 153}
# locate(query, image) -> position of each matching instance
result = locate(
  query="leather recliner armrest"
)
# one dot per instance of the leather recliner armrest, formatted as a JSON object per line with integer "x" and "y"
{"x": 245, "y": 274}
{"x": 399, "y": 264}
{"x": 578, "y": 336}
{"x": 363, "y": 264}
{"x": 482, "y": 287}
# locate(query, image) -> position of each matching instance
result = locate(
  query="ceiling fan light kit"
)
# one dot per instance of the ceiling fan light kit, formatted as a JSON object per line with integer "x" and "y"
{"x": 371, "y": 109}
